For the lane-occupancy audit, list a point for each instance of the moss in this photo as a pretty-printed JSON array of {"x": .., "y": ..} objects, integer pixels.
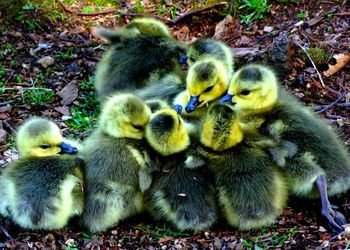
[{"x": 318, "y": 55}]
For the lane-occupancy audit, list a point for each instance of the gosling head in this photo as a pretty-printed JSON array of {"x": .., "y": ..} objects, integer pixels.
[
  {"x": 206, "y": 81},
  {"x": 149, "y": 26},
  {"x": 253, "y": 89},
  {"x": 220, "y": 129},
  {"x": 209, "y": 48},
  {"x": 156, "y": 104},
  {"x": 124, "y": 115},
  {"x": 40, "y": 137},
  {"x": 166, "y": 132}
]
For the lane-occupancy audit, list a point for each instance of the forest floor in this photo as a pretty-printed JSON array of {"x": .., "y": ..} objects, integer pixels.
[{"x": 47, "y": 62}]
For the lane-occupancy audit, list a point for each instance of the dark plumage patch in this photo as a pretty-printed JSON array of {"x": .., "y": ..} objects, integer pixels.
[
  {"x": 162, "y": 123},
  {"x": 39, "y": 128},
  {"x": 154, "y": 106},
  {"x": 205, "y": 71},
  {"x": 209, "y": 47},
  {"x": 250, "y": 74}
]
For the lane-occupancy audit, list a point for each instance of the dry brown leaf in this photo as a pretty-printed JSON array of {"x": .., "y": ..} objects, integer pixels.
[
  {"x": 165, "y": 239},
  {"x": 342, "y": 60},
  {"x": 69, "y": 93},
  {"x": 183, "y": 34}
]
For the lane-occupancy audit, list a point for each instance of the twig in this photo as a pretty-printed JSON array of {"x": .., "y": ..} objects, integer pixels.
[
  {"x": 10, "y": 127},
  {"x": 5, "y": 103},
  {"x": 166, "y": 20},
  {"x": 332, "y": 104},
  {"x": 334, "y": 117},
  {"x": 313, "y": 64},
  {"x": 338, "y": 105},
  {"x": 5, "y": 232},
  {"x": 342, "y": 14}
]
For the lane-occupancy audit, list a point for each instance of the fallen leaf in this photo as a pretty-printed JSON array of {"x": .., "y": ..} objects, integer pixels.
[
  {"x": 342, "y": 60},
  {"x": 183, "y": 34},
  {"x": 63, "y": 110},
  {"x": 165, "y": 239},
  {"x": 227, "y": 27},
  {"x": 69, "y": 93}
]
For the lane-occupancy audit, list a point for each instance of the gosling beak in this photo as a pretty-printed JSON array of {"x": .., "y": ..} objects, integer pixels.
[
  {"x": 183, "y": 61},
  {"x": 178, "y": 108},
  {"x": 192, "y": 104},
  {"x": 67, "y": 148},
  {"x": 226, "y": 99}
]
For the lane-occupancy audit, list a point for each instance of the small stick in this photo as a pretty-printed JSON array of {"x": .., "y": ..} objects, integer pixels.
[
  {"x": 10, "y": 127},
  {"x": 331, "y": 104},
  {"x": 5, "y": 103},
  {"x": 5, "y": 232},
  {"x": 338, "y": 105},
  {"x": 313, "y": 64}
]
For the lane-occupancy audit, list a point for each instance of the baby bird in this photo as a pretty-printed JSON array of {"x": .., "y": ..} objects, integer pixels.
[
  {"x": 141, "y": 54},
  {"x": 320, "y": 164},
  {"x": 211, "y": 68},
  {"x": 252, "y": 192},
  {"x": 42, "y": 189},
  {"x": 206, "y": 82},
  {"x": 185, "y": 197},
  {"x": 209, "y": 48},
  {"x": 118, "y": 168}
]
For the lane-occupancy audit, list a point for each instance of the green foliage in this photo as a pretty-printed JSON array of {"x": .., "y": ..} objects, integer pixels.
[
  {"x": 301, "y": 15},
  {"x": 268, "y": 240},
  {"x": 65, "y": 55},
  {"x": 139, "y": 7},
  {"x": 88, "y": 10},
  {"x": 160, "y": 232},
  {"x": 84, "y": 114},
  {"x": 318, "y": 55},
  {"x": 38, "y": 96},
  {"x": 257, "y": 9}
]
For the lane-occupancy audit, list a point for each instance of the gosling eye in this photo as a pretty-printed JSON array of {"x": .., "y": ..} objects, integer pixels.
[
  {"x": 137, "y": 127},
  {"x": 192, "y": 59},
  {"x": 45, "y": 146},
  {"x": 245, "y": 92},
  {"x": 208, "y": 89}
]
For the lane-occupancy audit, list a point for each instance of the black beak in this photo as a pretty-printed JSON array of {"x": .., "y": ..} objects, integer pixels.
[
  {"x": 67, "y": 148},
  {"x": 226, "y": 99},
  {"x": 192, "y": 104},
  {"x": 182, "y": 58},
  {"x": 178, "y": 108}
]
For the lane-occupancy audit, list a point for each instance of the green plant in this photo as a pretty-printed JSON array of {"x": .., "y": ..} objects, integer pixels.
[
  {"x": 160, "y": 232},
  {"x": 88, "y": 10},
  {"x": 65, "y": 55},
  {"x": 301, "y": 15},
  {"x": 81, "y": 119},
  {"x": 38, "y": 96},
  {"x": 329, "y": 15},
  {"x": 19, "y": 79},
  {"x": 87, "y": 85},
  {"x": 161, "y": 9},
  {"x": 256, "y": 8},
  {"x": 139, "y": 7}
]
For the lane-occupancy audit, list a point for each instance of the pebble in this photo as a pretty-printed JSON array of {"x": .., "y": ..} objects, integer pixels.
[{"x": 46, "y": 61}]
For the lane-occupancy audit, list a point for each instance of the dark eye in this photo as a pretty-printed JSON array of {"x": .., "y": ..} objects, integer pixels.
[
  {"x": 45, "y": 146},
  {"x": 245, "y": 92},
  {"x": 208, "y": 89},
  {"x": 138, "y": 127},
  {"x": 192, "y": 59}
]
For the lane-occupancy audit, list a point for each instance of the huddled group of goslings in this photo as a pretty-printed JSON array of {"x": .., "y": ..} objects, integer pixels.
[{"x": 187, "y": 146}]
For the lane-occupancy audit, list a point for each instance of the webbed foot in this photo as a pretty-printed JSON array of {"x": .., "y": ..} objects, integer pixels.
[{"x": 334, "y": 219}]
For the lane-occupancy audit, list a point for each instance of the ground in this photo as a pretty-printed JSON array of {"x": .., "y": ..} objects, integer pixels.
[{"x": 48, "y": 57}]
